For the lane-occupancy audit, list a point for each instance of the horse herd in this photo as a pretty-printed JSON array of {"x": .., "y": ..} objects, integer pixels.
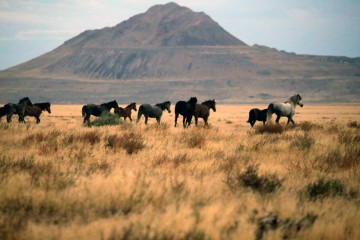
[
  {"x": 188, "y": 109},
  {"x": 24, "y": 108}
]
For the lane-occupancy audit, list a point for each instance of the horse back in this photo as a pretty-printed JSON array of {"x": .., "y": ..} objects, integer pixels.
[
  {"x": 201, "y": 110},
  {"x": 32, "y": 111},
  {"x": 180, "y": 107},
  {"x": 150, "y": 111}
]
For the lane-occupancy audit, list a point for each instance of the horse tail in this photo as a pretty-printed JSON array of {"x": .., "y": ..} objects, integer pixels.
[
  {"x": 140, "y": 113},
  {"x": 269, "y": 112},
  {"x": 249, "y": 116},
  {"x": 83, "y": 111}
]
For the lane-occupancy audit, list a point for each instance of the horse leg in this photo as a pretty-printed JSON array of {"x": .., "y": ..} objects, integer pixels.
[
  {"x": 206, "y": 123},
  {"x": 8, "y": 117},
  {"x": 176, "y": 118},
  {"x": 278, "y": 118},
  {"x": 252, "y": 123},
  {"x": 290, "y": 120},
  {"x": 87, "y": 119},
  {"x": 196, "y": 120},
  {"x": 37, "y": 119},
  {"x": 184, "y": 124},
  {"x": 158, "y": 120},
  {"x": 188, "y": 121},
  {"x": 146, "y": 120}
]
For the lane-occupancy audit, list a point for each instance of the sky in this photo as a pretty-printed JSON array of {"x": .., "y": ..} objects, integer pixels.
[{"x": 30, "y": 28}]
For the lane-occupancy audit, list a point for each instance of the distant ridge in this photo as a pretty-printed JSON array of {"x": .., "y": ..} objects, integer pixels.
[
  {"x": 172, "y": 52},
  {"x": 161, "y": 25}
]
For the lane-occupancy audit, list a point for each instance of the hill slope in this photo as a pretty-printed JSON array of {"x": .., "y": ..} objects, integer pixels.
[{"x": 172, "y": 51}]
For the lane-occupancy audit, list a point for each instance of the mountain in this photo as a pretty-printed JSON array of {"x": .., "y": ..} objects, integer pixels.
[{"x": 172, "y": 52}]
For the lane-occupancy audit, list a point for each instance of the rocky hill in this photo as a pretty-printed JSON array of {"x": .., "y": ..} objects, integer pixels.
[{"x": 171, "y": 52}]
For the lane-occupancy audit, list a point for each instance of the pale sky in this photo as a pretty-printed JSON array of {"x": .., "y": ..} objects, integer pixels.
[{"x": 30, "y": 28}]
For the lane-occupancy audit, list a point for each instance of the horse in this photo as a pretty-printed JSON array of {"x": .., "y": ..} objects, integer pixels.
[
  {"x": 125, "y": 112},
  {"x": 203, "y": 111},
  {"x": 45, "y": 106},
  {"x": 18, "y": 108},
  {"x": 4, "y": 110},
  {"x": 97, "y": 110},
  {"x": 36, "y": 110},
  {"x": 153, "y": 111},
  {"x": 286, "y": 109},
  {"x": 33, "y": 111},
  {"x": 186, "y": 109},
  {"x": 256, "y": 114}
]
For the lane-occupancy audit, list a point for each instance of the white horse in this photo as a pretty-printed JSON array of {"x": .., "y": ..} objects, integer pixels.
[{"x": 286, "y": 109}]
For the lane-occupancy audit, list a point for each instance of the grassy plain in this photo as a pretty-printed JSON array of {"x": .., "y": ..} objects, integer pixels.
[{"x": 60, "y": 180}]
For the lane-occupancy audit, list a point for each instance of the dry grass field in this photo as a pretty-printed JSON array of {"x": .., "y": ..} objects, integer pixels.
[{"x": 61, "y": 180}]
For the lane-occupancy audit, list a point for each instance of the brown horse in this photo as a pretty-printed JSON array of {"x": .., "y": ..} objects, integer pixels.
[
  {"x": 125, "y": 112},
  {"x": 33, "y": 111},
  {"x": 203, "y": 111}
]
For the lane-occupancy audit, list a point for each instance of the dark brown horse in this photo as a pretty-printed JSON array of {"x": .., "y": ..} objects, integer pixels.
[
  {"x": 125, "y": 112},
  {"x": 203, "y": 111},
  {"x": 18, "y": 108},
  {"x": 32, "y": 111},
  {"x": 97, "y": 110},
  {"x": 36, "y": 110}
]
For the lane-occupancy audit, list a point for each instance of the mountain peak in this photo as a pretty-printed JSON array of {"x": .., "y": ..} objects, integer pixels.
[{"x": 161, "y": 25}]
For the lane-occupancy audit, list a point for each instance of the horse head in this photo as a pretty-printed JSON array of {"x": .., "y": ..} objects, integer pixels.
[
  {"x": 112, "y": 104},
  {"x": 48, "y": 109},
  {"x": 167, "y": 106},
  {"x": 133, "y": 106},
  {"x": 213, "y": 105},
  {"x": 295, "y": 100},
  {"x": 299, "y": 100},
  {"x": 193, "y": 100}
]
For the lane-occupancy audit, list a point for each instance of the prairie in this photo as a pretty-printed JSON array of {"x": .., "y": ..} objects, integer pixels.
[{"x": 61, "y": 180}]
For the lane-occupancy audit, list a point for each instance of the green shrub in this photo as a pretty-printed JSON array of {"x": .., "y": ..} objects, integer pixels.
[
  {"x": 250, "y": 179},
  {"x": 106, "y": 119},
  {"x": 324, "y": 188}
]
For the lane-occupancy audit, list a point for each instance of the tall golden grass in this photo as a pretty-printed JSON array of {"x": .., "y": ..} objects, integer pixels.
[{"x": 61, "y": 180}]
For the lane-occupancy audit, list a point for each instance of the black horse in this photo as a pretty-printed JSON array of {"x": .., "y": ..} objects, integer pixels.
[
  {"x": 17, "y": 108},
  {"x": 45, "y": 106},
  {"x": 153, "y": 111},
  {"x": 256, "y": 114},
  {"x": 203, "y": 111},
  {"x": 97, "y": 110},
  {"x": 186, "y": 109},
  {"x": 4, "y": 111}
]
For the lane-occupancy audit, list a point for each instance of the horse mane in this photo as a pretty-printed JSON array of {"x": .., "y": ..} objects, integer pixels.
[
  {"x": 129, "y": 106},
  {"x": 24, "y": 99},
  {"x": 294, "y": 99},
  {"x": 163, "y": 105},
  {"x": 110, "y": 104},
  {"x": 43, "y": 104}
]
